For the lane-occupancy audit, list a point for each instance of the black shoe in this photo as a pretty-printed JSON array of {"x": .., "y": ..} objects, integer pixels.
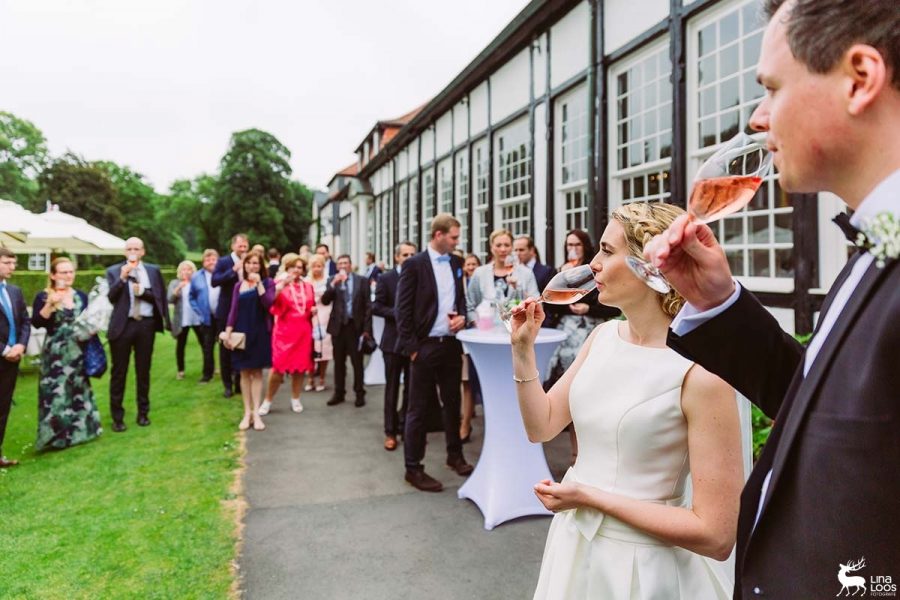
[
  {"x": 459, "y": 464},
  {"x": 228, "y": 393},
  {"x": 118, "y": 426},
  {"x": 422, "y": 481},
  {"x": 205, "y": 380},
  {"x": 143, "y": 421},
  {"x": 335, "y": 400},
  {"x": 360, "y": 401}
]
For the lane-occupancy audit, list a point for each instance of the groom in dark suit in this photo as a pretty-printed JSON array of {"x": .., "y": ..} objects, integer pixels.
[
  {"x": 825, "y": 494},
  {"x": 351, "y": 318},
  {"x": 138, "y": 295},
  {"x": 15, "y": 329},
  {"x": 431, "y": 309},
  {"x": 227, "y": 274},
  {"x": 395, "y": 364}
]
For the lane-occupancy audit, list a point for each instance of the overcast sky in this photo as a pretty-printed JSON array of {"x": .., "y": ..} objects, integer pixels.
[{"x": 160, "y": 85}]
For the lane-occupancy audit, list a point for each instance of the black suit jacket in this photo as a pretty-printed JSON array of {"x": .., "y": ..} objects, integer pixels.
[
  {"x": 361, "y": 302},
  {"x": 20, "y": 316},
  {"x": 543, "y": 274},
  {"x": 385, "y": 299},
  {"x": 121, "y": 301},
  {"x": 834, "y": 452},
  {"x": 417, "y": 300},
  {"x": 224, "y": 277}
]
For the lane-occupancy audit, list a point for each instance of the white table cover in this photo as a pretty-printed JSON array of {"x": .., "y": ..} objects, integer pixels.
[
  {"x": 374, "y": 373},
  {"x": 502, "y": 484}
]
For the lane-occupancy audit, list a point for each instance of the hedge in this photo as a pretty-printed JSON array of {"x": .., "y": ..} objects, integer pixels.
[{"x": 33, "y": 282}]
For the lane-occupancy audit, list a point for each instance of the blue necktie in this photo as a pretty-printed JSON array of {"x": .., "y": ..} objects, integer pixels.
[
  {"x": 445, "y": 258},
  {"x": 9, "y": 315}
]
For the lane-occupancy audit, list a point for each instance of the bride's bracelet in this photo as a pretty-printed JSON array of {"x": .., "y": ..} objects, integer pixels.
[{"x": 517, "y": 380}]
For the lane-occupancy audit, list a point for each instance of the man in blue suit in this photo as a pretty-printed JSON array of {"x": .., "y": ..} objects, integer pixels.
[
  {"x": 525, "y": 251},
  {"x": 228, "y": 272},
  {"x": 204, "y": 299},
  {"x": 15, "y": 328}
]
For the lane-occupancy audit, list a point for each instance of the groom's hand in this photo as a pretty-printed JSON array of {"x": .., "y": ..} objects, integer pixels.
[{"x": 692, "y": 261}]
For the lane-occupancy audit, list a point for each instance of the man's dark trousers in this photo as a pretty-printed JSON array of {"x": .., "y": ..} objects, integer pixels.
[
  {"x": 346, "y": 343},
  {"x": 394, "y": 366},
  {"x": 8, "y": 373},
  {"x": 437, "y": 364},
  {"x": 230, "y": 379},
  {"x": 208, "y": 344},
  {"x": 138, "y": 336}
]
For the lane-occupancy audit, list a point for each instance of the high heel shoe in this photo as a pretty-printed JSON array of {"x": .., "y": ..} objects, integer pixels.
[
  {"x": 465, "y": 439},
  {"x": 258, "y": 425},
  {"x": 244, "y": 425}
]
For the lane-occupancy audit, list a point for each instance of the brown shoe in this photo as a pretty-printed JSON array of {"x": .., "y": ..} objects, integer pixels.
[
  {"x": 420, "y": 480},
  {"x": 460, "y": 465},
  {"x": 390, "y": 443}
]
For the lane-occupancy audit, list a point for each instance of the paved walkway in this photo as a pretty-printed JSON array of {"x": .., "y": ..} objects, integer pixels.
[{"x": 331, "y": 517}]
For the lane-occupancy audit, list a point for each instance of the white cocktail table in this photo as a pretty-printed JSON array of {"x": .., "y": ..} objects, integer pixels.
[{"x": 502, "y": 484}]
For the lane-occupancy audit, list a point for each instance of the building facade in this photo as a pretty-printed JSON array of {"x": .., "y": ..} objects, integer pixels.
[{"x": 574, "y": 109}]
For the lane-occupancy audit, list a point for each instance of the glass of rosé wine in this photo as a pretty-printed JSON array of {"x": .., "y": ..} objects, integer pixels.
[
  {"x": 566, "y": 287},
  {"x": 724, "y": 185}
]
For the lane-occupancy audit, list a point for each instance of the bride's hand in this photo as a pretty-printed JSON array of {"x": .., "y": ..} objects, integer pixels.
[
  {"x": 526, "y": 322},
  {"x": 559, "y": 496}
]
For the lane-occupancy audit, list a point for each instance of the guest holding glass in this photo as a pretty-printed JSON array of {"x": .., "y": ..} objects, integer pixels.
[
  {"x": 322, "y": 339},
  {"x": 292, "y": 339},
  {"x": 67, "y": 410},
  {"x": 501, "y": 279},
  {"x": 250, "y": 304},
  {"x": 652, "y": 501},
  {"x": 204, "y": 300},
  {"x": 185, "y": 318}
]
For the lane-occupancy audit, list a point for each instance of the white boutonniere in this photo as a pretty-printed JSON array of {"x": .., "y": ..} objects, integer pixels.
[{"x": 880, "y": 237}]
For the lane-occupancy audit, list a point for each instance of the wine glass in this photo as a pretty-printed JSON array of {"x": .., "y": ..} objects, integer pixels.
[
  {"x": 725, "y": 184},
  {"x": 566, "y": 287}
]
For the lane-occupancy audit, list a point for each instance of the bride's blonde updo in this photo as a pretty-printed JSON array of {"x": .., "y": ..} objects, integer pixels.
[{"x": 641, "y": 221}]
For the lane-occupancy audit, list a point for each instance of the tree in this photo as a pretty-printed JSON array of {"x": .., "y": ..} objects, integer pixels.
[
  {"x": 81, "y": 189},
  {"x": 299, "y": 218},
  {"x": 139, "y": 205},
  {"x": 254, "y": 192},
  {"x": 23, "y": 155},
  {"x": 189, "y": 210}
]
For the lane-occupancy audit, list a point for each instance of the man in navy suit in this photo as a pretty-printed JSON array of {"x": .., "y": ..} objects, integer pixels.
[
  {"x": 395, "y": 364},
  {"x": 525, "y": 251},
  {"x": 204, "y": 299},
  {"x": 323, "y": 251},
  {"x": 228, "y": 272},
  {"x": 138, "y": 295},
  {"x": 431, "y": 309},
  {"x": 825, "y": 493},
  {"x": 15, "y": 329}
]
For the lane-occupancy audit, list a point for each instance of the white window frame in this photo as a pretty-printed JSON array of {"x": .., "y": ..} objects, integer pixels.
[
  {"x": 697, "y": 155},
  {"x": 461, "y": 209},
  {"x": 403, "y": 197},
  {"x": 415, "y": 229},
  {"x": 428, "y": 198},
  {"x": 38, "y": 262},
  {"x": 512, "y": 181},
  {"x": 444, "y": 188},
  {"x": 563, "y": 215},
  {"x": 481, "y": 164}
]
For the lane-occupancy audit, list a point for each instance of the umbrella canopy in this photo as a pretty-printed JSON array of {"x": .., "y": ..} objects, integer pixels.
[{"x": 25, "y": 232}]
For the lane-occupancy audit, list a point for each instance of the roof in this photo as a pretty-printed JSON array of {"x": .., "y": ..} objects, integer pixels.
[
  {"x": 351, "y": 170},
  {"x": 391, "y": 127}
]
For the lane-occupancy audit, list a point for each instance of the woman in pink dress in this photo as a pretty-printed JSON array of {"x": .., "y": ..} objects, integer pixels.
[{"x": 292, "y": 341}]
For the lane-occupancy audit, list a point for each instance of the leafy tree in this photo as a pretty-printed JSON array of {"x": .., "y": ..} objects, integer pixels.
[
  {"x": 139, "y": 205},
  {"x": 189, "y": 210},
  {"x": 254, "y": 191},
  {"x": 23, "y": 155},
  {"x": 298, "y": 219},
  {"x": 82, "y": 189}
]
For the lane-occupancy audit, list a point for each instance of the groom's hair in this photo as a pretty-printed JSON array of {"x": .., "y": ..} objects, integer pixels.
[{"x": 820, "y": 31}]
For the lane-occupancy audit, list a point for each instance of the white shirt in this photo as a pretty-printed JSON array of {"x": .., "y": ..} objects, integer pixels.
[
  {"x": 884, "y": 198},
  {"x": 212, "y": 291},
  {"x": 530, "y": 264},
  {"x": 143, "y": 280},
  {"x": 446, "y": 291}
]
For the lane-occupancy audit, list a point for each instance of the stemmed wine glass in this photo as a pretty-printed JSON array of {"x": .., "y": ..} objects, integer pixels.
[
  {"x": 724, "y": 185},
  {"x": 566, "y": 287}
]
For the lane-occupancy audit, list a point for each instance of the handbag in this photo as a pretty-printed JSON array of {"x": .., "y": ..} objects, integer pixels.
[
  {"x": 94, "y": 357},
  {"x": 237, "y": 339}
]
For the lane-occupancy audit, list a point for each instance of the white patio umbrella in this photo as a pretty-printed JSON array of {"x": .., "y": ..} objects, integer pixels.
[
  {"x": 15, "y": 225},
  {"x": 53, "y": 231}
]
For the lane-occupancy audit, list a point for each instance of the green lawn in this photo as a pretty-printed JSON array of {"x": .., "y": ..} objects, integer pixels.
[{"x": 148, "y": 513}]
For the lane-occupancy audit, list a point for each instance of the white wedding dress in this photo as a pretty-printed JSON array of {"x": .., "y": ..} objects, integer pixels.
[{"x": 632, "y": 440}]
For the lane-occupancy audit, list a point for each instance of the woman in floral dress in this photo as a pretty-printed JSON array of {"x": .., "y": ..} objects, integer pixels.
[{"x": 67, "y": 410}]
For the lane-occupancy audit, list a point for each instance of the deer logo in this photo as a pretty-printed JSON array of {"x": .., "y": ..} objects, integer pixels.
[{"x": 852, "y": 581}]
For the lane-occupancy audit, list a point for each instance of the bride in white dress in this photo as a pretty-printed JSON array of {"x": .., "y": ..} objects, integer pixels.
[{"x": 649, "y": 509}]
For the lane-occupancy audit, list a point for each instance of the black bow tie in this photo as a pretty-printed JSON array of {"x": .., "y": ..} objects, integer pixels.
[{"x": 852, "y": 233}]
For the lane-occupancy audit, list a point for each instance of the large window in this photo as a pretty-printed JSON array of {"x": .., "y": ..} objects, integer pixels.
[
  {"x": 462, "y": 198},
  {"x": 414, "y": 212},
  {"x": 723, "y": 92},
  {"x": 427, "y": 201},
  {"x": 572, "y": 151},
  {"x": 403, "y": 201},
  {"x": 641, "y": 125},
  {"x": 513, "y": 165},
  {"x": 445, "y": 181},
  {"x": 482, "y": 164},
  {"x": 372, "y": 209}
]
